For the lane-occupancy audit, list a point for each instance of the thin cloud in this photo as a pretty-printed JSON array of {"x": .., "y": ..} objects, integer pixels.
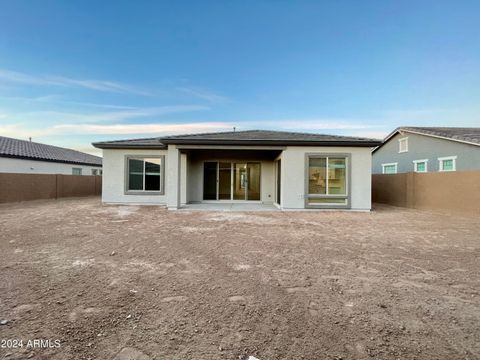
[
  {"x": 19, "y": 131},
  {"x": 58, "y": 99},
  {"x": 49, "y": 80},
  {"x": 107, "y": 116},
  {"x": 201, "y": 93},
  {"x": 157, "y": 129}
]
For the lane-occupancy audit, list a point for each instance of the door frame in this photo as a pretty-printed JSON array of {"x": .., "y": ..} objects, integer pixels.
[{"x": 232, "y": 170}]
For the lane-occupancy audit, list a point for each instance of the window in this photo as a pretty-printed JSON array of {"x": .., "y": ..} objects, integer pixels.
[
  {"x": 403, "y": 145},
  {"x": 327, "y": 183},
  {"x": 389, "y": 168},
  {"x": 76, "y": 171},
  {"x": 447, "y": 163},
  {"x": 420, "y": 165},
  {"x": 144, "y": 174},
  {"x": 94, "y": 171}
]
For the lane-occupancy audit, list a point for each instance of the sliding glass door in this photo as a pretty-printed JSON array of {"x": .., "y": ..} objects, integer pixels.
[
  {"x": 224, "y": 181},
  {"x": 253, "y": 181},
  {"x": 231, "y": 181},
  {"x": 210, "y": 181}
]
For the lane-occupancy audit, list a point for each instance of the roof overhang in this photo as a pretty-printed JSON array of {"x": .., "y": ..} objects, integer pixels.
[
  {"x": 269, "y": 142},
  {"x": 129, "y": 146}
]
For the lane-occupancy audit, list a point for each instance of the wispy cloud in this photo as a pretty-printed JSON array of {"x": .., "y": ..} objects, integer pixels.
[
  {"x": 19, "y": 131},
  {"x": 202, "y": 93},
  {"x": 159, "y": 129},
  {"x": 312, "y": 124},
  {"x": 58, "y": 99},
  {"x": 106, "y": 116},
  {"x": 52, "y": 80}
]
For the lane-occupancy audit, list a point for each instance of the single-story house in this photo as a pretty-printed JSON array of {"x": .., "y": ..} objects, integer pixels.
[
  {"x": 28, "y": 157},
  {"x": 291, "y": 170},
  {"x": 428, "y": 149}
]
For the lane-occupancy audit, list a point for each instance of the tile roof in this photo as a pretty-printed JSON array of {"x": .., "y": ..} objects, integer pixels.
[
  {"x": 471, "y": 135},
  {"x": 460, "y": 134},
  {"x": 248, "y": 137},
  {"x": 23, "y": 149}
]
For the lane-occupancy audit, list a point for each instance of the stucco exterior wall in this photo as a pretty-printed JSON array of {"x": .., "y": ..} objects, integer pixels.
[
  {"x": 23, "y": 166},
  {"x": 425, "y": 147},
  {"x": 113, "y": 187},
  {"x": 294, "y": 172}
]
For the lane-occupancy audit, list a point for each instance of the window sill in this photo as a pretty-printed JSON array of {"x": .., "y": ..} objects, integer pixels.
[{"x": 141, "y": 192}]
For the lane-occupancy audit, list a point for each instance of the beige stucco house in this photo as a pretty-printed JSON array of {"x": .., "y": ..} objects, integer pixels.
[{"x": 289, "y": 170}]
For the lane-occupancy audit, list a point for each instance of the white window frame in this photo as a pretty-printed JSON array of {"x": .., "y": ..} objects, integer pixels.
[
  {"x": 440, "y": 163},
  {"x": 79, "y": 170},
  {"x": 390, "y": 164},
  {"x": 400, "y": 141},
  {"x": 416, "y": 162}
]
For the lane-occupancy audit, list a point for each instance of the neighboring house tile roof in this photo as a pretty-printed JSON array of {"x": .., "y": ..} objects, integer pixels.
[
  {"x": 459, "y": 134},
  {"x": 146, "y": 143},
  {"x": 22, "y": 149},
  {"x": 248, "y": 137}
]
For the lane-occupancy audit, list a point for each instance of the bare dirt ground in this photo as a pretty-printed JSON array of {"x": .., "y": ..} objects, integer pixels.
[{"x": 391, "y": 284}]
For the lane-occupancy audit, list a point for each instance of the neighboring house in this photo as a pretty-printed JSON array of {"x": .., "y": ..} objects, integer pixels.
[
  {"x": 291, "y": 170},
  {"x": 21, "y": 156},
  {"x": 428, "y": 149}
]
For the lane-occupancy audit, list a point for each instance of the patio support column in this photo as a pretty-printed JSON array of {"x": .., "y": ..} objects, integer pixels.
[{"x": 173, "y": 178}]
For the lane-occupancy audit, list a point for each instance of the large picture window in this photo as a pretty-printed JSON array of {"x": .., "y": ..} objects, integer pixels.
[
  {"x": 327, "y": 180},
  {"x": 145, "y": 174}
]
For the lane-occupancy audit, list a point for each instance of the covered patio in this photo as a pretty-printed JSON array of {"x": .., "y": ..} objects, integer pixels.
[{"x": 229, "y": 178}]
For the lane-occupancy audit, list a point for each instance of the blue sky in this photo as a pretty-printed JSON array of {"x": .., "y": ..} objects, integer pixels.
[{"x": 76, "y": 72}]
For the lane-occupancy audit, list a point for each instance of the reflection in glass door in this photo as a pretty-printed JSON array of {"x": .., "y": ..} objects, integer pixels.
[
  {"x": 253, "y": 181},
  {"x": 224, "y": 181},
  {"x": 239, "y": 181}
]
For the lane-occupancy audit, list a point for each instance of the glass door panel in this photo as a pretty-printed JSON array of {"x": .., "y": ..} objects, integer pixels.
[
  {"x": 224, "y": 181},
  {"x": 210, "y": 181},
  {"x": 253, "y": 181},
  {"x": 239, "y": 181}
]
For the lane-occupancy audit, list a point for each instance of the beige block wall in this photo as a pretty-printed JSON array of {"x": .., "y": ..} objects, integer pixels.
[{"x": 453, "y": 191}]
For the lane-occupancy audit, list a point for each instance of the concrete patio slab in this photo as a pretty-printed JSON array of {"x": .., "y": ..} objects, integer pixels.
[{"x": 230, "y": 207}]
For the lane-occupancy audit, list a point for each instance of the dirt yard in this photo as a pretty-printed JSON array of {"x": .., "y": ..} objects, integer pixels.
[{"x": 126, "y": 282}]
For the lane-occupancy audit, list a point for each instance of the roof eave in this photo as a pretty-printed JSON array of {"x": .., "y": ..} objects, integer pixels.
[
  {"x": 271, "y": 142},
  {"x": 128, "y": 146}
]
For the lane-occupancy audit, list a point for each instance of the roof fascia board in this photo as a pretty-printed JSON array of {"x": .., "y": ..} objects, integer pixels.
[
  {"x": 230, "y": 147},
  {"x": 49, "y": 160},
  {"x": 128, "y": 146},
  {"x": 270, "y": 142}
]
